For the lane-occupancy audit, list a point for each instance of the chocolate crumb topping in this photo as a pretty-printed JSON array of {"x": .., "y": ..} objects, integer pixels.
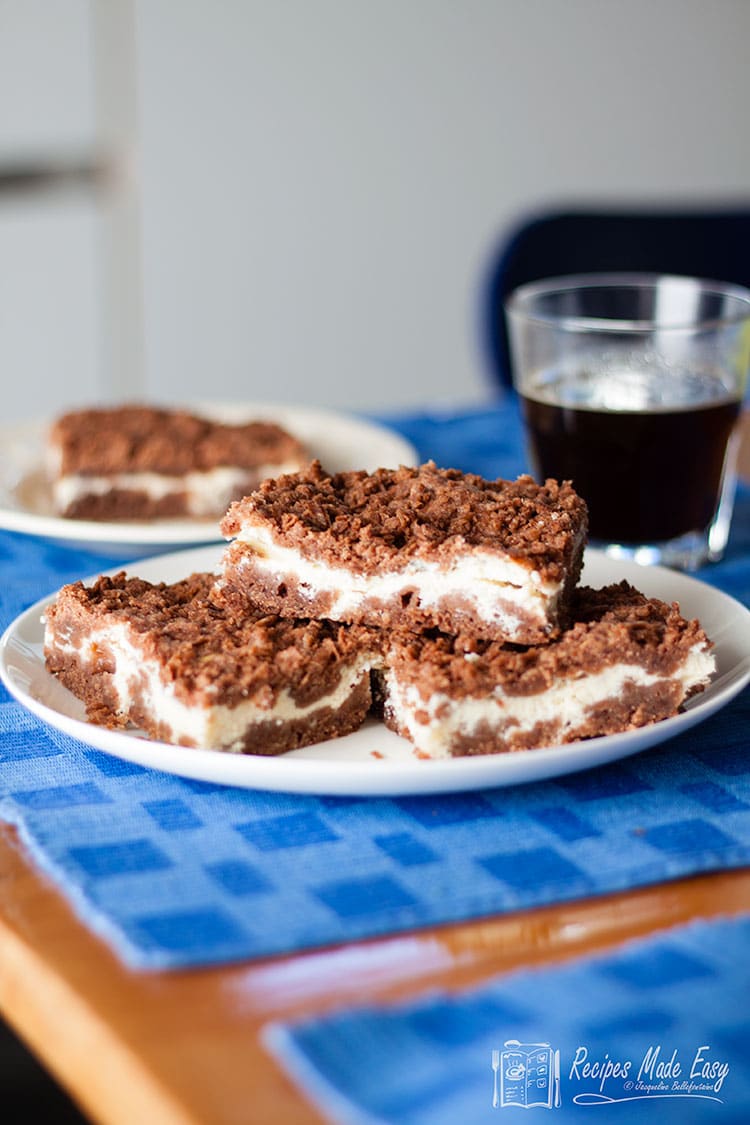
[
  {"x": 615, "y": 625},
  {"x": 371, "y": 522},
  {"x": 150, "y": 439},
  {"x": 203, "y": 650}
]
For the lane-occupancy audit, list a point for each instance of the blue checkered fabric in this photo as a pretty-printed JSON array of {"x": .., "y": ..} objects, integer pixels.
[
  {"x": 674, "y": 1001},
  {"x": 179, "y": 873}
]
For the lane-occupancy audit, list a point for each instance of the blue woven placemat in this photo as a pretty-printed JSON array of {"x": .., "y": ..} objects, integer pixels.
[
  {"x": 656, "y": 1032},
  {"x": 179, "y": 873}
]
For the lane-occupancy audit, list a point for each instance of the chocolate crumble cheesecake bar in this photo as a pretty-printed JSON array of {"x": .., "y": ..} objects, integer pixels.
[
  {"x": 625, "y": 661},
  {"x": 143, "y": 462},
  {"x": 413, "y": 548},
  {"x": 165, "y": 659}
]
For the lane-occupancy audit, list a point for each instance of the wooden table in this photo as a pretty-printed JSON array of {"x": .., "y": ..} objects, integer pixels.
[{"x": 184, "y": 1048}]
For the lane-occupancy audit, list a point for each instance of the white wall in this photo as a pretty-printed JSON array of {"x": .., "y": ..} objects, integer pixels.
[
  {"x": 49, "y": 268},
  {"x": 323, "y": 181}
]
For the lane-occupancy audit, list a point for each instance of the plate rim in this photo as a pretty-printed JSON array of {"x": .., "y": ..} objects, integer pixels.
[
  {"x": 176, "y": 532},
  {"x": 385, "y": 777}
]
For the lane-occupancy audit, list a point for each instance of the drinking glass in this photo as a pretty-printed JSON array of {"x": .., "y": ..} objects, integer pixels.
[{"x": 631, "y": 386}]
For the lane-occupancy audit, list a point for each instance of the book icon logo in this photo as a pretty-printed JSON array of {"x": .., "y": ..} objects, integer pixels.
[{"x": 529, "y": 1075}]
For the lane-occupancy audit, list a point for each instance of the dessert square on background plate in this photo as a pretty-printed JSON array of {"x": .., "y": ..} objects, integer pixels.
[
  {"x": 374, "y": 761},
  {"x": 338, "y": 440},
  {"x": 142, "y": 462}
]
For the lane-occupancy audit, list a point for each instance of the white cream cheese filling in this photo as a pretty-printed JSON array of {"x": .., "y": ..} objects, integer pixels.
[
  {"x": 213, "y": 726},
  {"x": 497, "y": 588},
  {"x": 565, "y": 703},
  {"x": 207, "y": 492}
]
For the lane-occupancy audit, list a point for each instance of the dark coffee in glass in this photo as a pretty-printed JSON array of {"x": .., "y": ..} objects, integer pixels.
[{"x": 640, "y": 414}]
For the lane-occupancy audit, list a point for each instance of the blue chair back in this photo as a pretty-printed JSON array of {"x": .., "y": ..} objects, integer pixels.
[{"x": 712, "y": 244}]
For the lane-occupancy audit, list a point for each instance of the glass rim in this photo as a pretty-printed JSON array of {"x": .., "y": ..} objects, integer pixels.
[{"x": 518, "y": 303}]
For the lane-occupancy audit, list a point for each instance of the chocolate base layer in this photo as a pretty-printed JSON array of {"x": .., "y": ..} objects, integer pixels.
[
  {"x": 126, "y": 504},
  {"x": 132, "y": 504}
]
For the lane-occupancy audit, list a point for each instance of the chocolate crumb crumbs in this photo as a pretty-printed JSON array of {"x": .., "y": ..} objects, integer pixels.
[
  {"x": 141, "y": 438},
  {"x": 375, "y": 522},
  {"x": 614, "y": 625},
  {"x": 202, "y": 650}
]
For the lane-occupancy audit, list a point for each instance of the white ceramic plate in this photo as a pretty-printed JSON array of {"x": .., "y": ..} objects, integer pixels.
[
  {"x": 374, "y": 761},
  {"x": 338, "y": 441}
]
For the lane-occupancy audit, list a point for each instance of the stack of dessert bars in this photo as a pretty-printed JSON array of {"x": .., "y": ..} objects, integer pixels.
[{"x": 448, "y": 604}]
